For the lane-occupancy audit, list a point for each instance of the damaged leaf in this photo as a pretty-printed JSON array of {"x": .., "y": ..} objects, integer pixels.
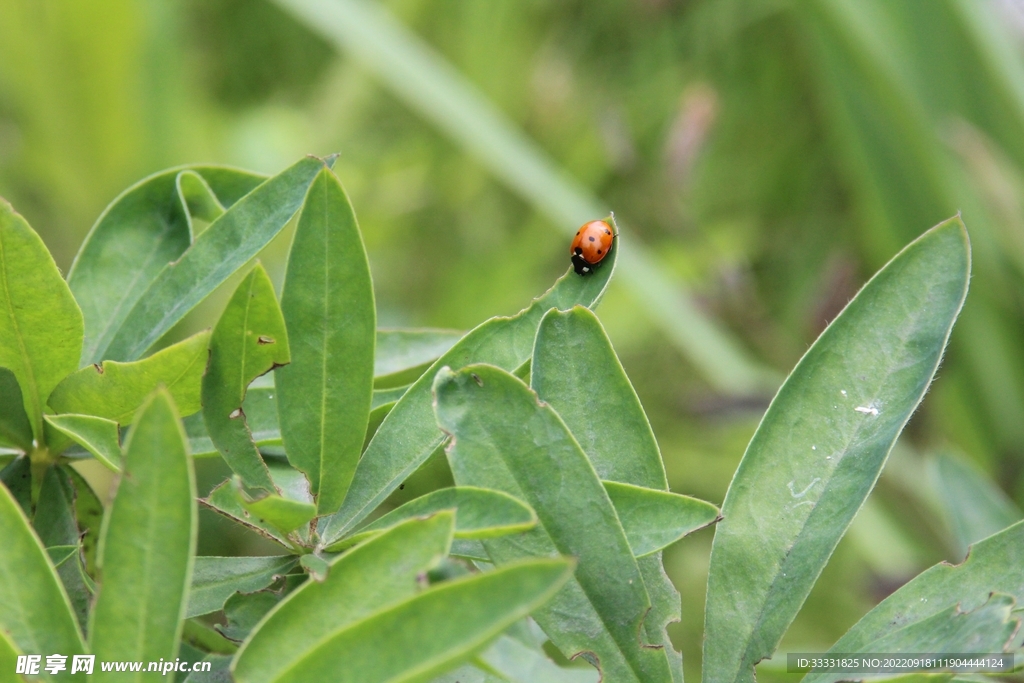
[
  {"x": 114, "y": 390},
  {"x": 248, "y": 341}
]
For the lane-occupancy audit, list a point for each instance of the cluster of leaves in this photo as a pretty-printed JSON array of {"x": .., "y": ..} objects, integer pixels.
[
  {"x": 561, "y": 507},
  {"x": 320, "y": 416}
]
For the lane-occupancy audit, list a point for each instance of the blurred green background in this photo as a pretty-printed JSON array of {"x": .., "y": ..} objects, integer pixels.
[{"x": 768, "y": 155}]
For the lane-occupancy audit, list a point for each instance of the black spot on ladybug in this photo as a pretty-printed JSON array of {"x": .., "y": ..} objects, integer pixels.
[
  {"x": 607, "y": 232},
  {"x": 591, "y": 239},
  {"x": 598, "y": 251}
]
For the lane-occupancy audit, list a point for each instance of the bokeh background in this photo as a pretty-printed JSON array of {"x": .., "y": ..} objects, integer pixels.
[{"x": 764, "y": 156}]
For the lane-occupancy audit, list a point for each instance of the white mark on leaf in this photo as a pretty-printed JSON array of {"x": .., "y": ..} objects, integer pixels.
[
  {"x": 867, "y": 410},
  {"x": 803, "y": 493}
]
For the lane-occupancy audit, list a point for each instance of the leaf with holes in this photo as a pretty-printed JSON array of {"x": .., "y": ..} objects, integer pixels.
[{"x": 248, "y": 341}]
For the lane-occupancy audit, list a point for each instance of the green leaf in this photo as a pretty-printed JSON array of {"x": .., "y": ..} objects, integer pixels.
[
  {"x": 9, "y": 659},
  {"x": 576, "y": 371},
  {"x": 479, "y": 513},
  {"x": 244, "y": 611},
  {"x": 409, "y": 434},
  {"x": 40, "y": 323},
  {"x": 988, "y": 629},
  {"x": 115, "y": 390},
  {"x": 215, "y": 579},
  {"x": 54, "y": 519},
  {"x": 284, "y": 514},
  {"x": 143, "y": 229},
  {"x": 15, "y": 429},
  {"x": 200, "y": 636},
  {"x": 260, "y": 408},
  {"x": 148, "y": 544},
  {"x": 35, "y": 612},
  {"x": 219, "y": 251},
  {"x": 199, "y": 199},
  {"x": 992, "y": 566},
  {"x": 98, "y": 435},
  {"x": 654, "y": 519},
  {"x": 431, "y": 632},
  {"x": 822, "y": 444},
  {"x": 17, "y": 477},
  {"x": 89, "y": 513},
  {"x": 467, "y": 673},
  {"x": 517, "y": 662},
  {"x": 248, "y": 341},
  {"x": 324, "y": 395},
  {"x": 67, "y": 560},
  {"x": 226, "y": 499},
  {"x": 505, "y": 439},
  {"x": 403, "y": 354},
  {"x": 975, "y": 507},
  {"x": 379, "y": 573}
]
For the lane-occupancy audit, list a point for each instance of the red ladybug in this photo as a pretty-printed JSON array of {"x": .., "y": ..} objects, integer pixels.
[{"x": 592, "y": 243}]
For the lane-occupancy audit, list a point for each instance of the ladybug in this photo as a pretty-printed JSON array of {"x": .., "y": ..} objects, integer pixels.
[{"x": 592, "y": 243}]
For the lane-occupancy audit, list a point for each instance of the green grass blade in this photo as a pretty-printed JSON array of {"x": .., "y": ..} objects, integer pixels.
[
  {"x": 430, "y": 86},
  {"x": 40, "y": 323},
  {"x": 822, "y": 444},
  {"x": 148, "y": 545},
  {"x": 115, "y": 390},
  {"x": 324, "y": 395},
  {"x": 248, "y": 341},
  {"x": 138, "y": 234},
  {"x": 219, "y": 251},
  {"x": 373, "y": 576},
  {"x": 215, "y": 579},
  {"x": 35, "y": 612},
  {"x": 409, "y": 434},
  {"x": 505, "y": 439}
]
